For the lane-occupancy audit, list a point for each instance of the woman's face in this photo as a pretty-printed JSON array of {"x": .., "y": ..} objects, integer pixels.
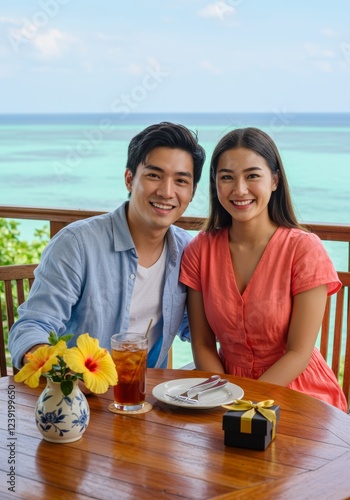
[{"x": 244, "y": 184}]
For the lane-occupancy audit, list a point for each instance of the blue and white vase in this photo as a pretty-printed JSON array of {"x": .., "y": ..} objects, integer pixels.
[{"x": 59, "y": 418}]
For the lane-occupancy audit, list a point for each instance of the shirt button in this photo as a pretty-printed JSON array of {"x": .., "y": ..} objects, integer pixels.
[
  {"x": 250, "y": 359},
  {"x": 132, "y": 276},
  {"x": 127, "y": 308}
]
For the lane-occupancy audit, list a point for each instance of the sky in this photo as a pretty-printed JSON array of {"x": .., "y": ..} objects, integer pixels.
[{"x": 83, "y": 56}]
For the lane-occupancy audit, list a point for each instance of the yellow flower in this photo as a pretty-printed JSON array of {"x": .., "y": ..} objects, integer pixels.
[
  {"x": 93, "y": 362},
  {"x": 40, "y": 361}
]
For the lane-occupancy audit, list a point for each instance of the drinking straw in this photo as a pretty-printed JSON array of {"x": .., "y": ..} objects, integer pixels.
[
  {"x": 148, "y": 328},
  {"x": 138, "y": 366}
]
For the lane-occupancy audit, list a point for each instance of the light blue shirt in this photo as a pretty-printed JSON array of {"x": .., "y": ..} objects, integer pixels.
[{"x": 84, "y": 283}]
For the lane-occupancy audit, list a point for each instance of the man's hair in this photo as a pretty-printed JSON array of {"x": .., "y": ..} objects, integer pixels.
[{"x": 169, "y": 135}]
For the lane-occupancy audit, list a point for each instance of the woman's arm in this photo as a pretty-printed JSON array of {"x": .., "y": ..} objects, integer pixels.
[
  {"x": 203, "y": 340},
  {"x": 306, "y": 318}
]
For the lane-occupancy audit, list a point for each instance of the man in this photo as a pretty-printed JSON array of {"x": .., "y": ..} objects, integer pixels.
[{"x": 115, "y": 272}]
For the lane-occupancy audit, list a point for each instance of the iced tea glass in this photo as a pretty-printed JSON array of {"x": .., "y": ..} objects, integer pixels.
[{"x": 129, "y": 353}]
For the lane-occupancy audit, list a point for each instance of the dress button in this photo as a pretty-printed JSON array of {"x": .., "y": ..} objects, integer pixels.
[{"x": 132, "y": 276}]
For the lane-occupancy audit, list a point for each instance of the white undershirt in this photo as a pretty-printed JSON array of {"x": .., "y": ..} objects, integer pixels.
[{"x": 146, "y": 300}]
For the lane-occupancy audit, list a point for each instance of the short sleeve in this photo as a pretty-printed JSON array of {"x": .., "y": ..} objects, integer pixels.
[
  {"x": 312, "y": 266},
  {"x": 190, "y": 265}
]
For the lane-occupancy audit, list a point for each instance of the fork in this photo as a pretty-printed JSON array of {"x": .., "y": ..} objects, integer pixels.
[
  {"x": 206, "y": 384},
  {"x": 195, "y": 399}
]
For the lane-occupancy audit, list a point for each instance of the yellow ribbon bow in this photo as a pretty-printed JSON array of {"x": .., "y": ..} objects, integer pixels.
[{"x": 252, "y": 408}]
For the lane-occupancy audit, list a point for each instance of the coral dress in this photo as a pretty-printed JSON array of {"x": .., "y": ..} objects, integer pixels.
[{"x": 252, "y": 328}]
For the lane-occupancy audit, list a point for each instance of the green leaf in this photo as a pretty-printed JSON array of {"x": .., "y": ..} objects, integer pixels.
[
  {"x": 66, "y": 387},
  {"x": 66, "y": 337},
  {"x": 52, "y": 338}
]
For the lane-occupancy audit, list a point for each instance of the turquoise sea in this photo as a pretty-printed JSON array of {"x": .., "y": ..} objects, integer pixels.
[{"x": 78, "y": 161}]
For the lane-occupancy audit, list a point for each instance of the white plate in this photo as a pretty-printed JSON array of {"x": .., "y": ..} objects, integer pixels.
[{"x": 221, "y": 396}]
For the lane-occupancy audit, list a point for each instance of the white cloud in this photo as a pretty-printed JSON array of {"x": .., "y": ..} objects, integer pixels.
[
  {"x": 10, "y": 20},
  {"x": 114, "y": 52},
  {"x": 329, "y": 54},
  {"x": 51, "y": 70},
  {"x": 328, "y": 32},
  {"x": 320, "y": 58},
  {"x": 106, "y": 38},
  {"x": 345, "y": 49},
  {"x": 149, "y": 65},
  {"x": 312, "y": 49},
  {"x": 48, "y": 44},
  {"x": 208, "y": 66},
  {"x": 134, "y": 69},
  {"x": 323, "y": 66},
  {"x": 7, "y": 71},
  {"x": 217, "y": 10},
  {"x": 315, "y": 50},
  {"x": 87, "y": 67},
  {"x": 53, "y": 43}
]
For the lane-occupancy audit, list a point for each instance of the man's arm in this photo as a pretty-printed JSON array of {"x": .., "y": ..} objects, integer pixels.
[{"x": 55, "y": 290}]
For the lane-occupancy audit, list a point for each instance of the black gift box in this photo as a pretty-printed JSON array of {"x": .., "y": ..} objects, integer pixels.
[{"x": 261, "y": 435}]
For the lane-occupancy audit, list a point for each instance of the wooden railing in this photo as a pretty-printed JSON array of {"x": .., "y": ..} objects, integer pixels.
[{"x": 58, "y": 218}]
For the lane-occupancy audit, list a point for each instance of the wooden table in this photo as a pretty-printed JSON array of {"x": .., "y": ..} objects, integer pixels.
[{"x": 173, "y": 453}]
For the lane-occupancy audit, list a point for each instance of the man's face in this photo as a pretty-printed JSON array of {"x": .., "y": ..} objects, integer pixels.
[{"x": 161, "y": 188}]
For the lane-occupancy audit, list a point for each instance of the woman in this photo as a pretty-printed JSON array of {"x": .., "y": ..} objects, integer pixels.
[{"x": 258, "y": 282}]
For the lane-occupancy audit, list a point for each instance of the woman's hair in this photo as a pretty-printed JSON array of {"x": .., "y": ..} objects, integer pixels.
[{"x": 280, "y": 206}]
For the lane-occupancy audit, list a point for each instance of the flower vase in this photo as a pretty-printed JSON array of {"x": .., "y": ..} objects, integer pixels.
[{"x": 59, "y": 418}]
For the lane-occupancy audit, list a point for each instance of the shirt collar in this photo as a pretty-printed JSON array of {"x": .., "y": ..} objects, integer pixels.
[
  {"x": 122, "y": 237},
  {"x": 121, "y": 233}
]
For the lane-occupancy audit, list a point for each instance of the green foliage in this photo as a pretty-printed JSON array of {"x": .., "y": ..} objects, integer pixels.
[
  {"x": 54, "y": 339},
  {"x": 14, "y": 250},
  {"x": 341, "y": 371}
]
